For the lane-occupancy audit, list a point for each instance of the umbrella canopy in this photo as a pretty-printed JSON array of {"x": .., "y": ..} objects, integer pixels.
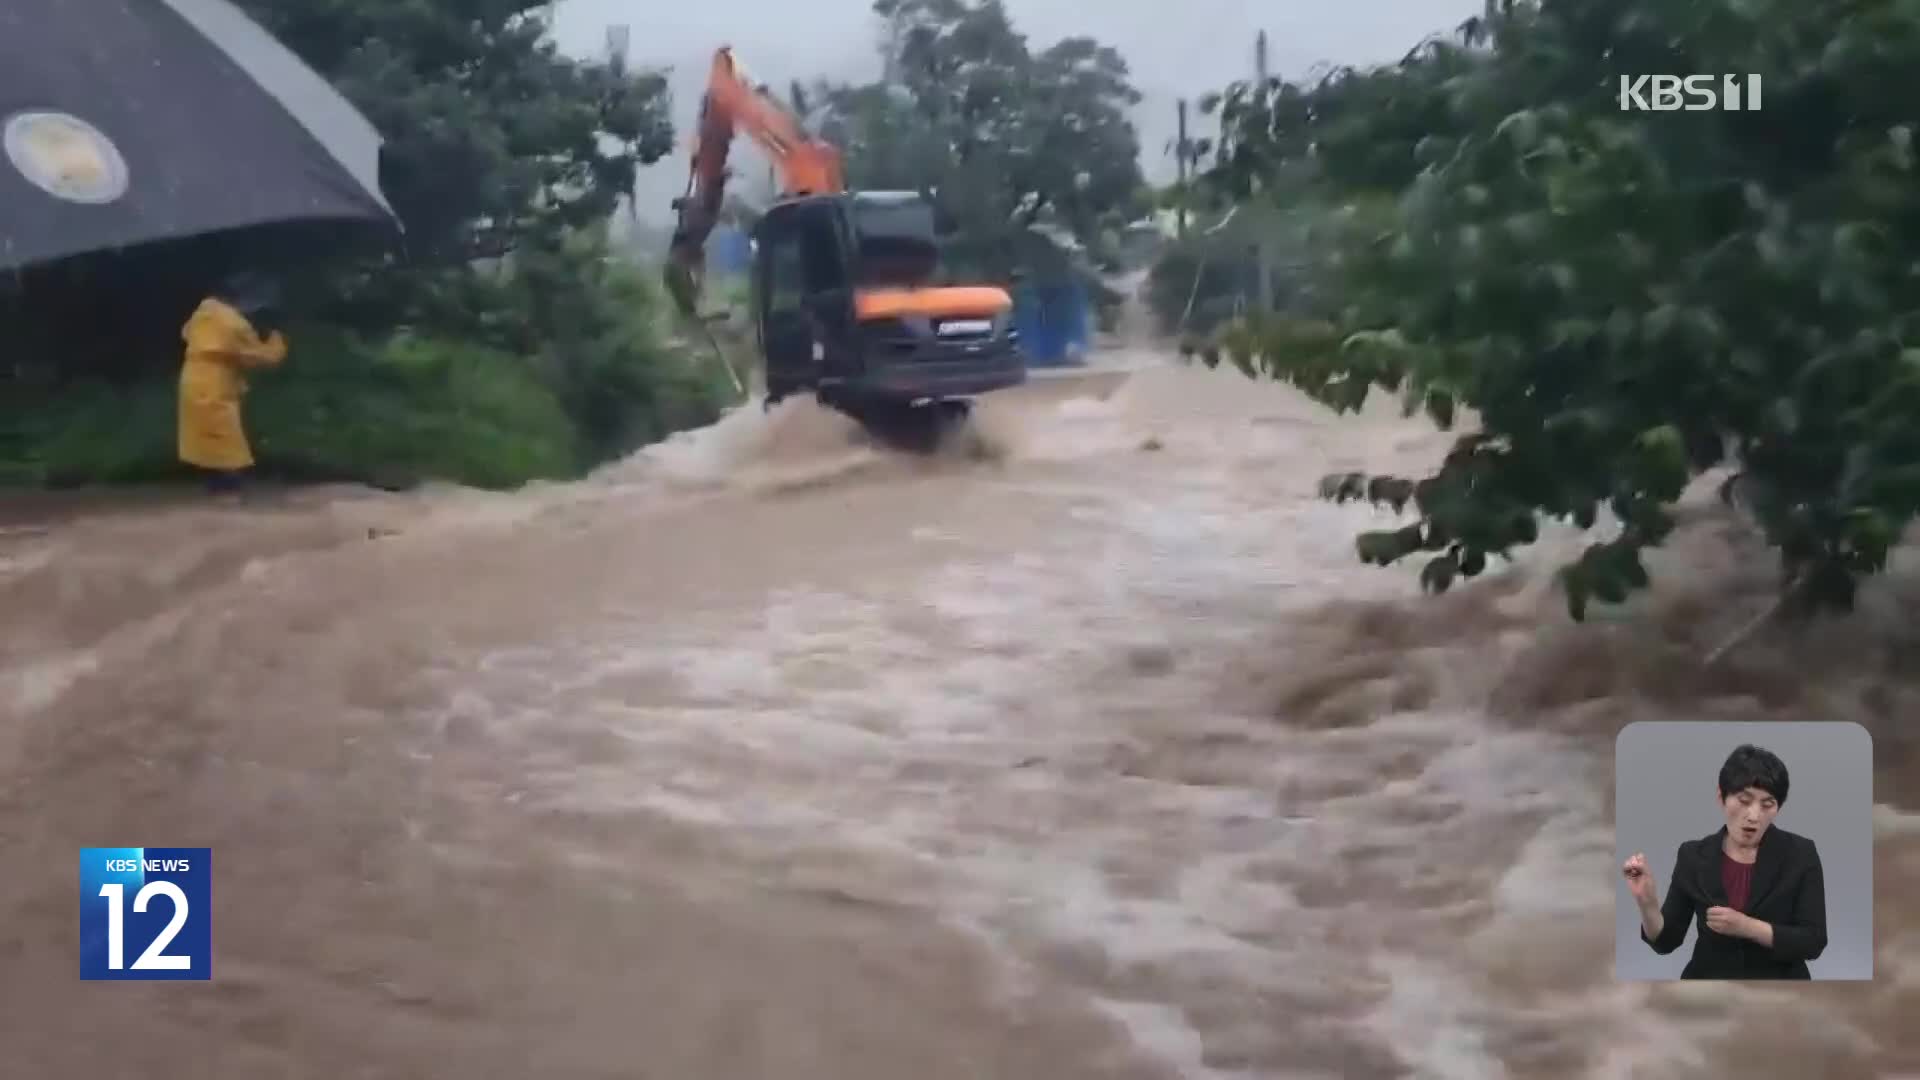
[{"x": 129, "y": 122}]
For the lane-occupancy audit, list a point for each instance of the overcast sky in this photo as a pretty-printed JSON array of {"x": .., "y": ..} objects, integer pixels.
[{"x": 1175, "y": 48}]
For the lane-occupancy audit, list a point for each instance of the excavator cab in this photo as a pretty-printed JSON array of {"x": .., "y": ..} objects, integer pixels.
[
  {"x": 803, "y": 293},
  {"x": 847, "y": 306}
]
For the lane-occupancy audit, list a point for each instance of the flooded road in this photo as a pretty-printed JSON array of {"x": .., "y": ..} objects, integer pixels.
[{"x": 1089, "y": 751}]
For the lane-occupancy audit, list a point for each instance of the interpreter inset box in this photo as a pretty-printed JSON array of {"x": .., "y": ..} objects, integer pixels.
[{"x": 1743, "y": 851}]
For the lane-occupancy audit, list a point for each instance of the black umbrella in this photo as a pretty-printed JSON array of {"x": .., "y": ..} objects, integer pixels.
[{"x": 129, "y": 122}]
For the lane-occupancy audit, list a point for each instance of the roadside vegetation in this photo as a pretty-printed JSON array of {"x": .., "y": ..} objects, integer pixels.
[
  {"x": 1610, "y": 302},
  {"x": 507, "y": 343}
]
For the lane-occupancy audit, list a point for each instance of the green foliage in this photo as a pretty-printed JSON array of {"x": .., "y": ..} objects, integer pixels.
[
  {"x": 1622, "y": 299},
  {"x": 496, "y": 143},
  {"x": 506, "y": 345},
  {"x": 495, "y": 406},
  {"x": 493, "y": 137},
  {"x": 584, "y": 326},
  {"x": 1002, "y": 136},
  {"x": 1205, "y": 281},
  {"x": 345, "y": 411},
  {"x": 89, "y": 431},
  {"x": 623, "y": 385},
  {"x": 502, "y": 149},
  {"x": 410, "y": 408}
]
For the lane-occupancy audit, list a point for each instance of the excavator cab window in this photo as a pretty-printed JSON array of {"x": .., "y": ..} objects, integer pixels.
[
  {"x": 897, "y": 242},
  {"x": 802, "y": 257},
  {"x": 805, "y": 287},
  {"x": 786, "y": 276}
]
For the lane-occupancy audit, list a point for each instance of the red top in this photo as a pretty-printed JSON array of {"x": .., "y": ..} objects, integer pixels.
[{"x": 1737, "y": 877}]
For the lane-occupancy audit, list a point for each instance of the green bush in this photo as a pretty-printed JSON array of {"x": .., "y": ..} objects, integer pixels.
[
  {"x": 337, "y": 410},
  {"x": 87, "y": 432},
  {"x": 409, "y": 409},
  {"x": 1624, "y": 299},
  {"x": 498, "y": 410},
  {"x": 611, "y": 368}
]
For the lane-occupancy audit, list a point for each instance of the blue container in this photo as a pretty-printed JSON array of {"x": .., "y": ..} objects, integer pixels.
[
  {"x": 729, "y": 251},
  {"x": 1053, "y": 321}
]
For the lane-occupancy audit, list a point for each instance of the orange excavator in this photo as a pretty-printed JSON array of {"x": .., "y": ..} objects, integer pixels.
[{"x": 845, "y": 298}]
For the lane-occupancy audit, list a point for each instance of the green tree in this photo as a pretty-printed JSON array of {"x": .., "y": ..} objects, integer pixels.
[
  {"x": 496, "y": 143},
  {"x": 1623, "y": 299},
  {"x": 1001, "y": 136}
]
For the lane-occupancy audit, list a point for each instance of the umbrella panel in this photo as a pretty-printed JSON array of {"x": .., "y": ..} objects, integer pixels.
[{"x": 121, "y": 125}]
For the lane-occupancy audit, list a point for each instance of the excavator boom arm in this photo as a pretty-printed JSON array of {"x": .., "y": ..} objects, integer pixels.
[{"x": 807, "y": 166}]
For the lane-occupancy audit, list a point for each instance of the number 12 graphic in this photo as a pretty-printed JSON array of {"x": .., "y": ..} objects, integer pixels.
[
  {"x": 154, "y": 904},
  {"x": 155, "y": 958}
]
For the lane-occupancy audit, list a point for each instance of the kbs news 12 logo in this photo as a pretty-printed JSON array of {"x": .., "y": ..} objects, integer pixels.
[
  {"x": 1694, "y": 93},
  {"x": 146, "y": 913}
]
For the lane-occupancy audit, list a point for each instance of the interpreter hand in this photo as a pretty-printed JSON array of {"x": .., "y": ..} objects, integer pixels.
[
  {"x": 1640, "y": 880},
  {"x": 1729, "y": 921}
]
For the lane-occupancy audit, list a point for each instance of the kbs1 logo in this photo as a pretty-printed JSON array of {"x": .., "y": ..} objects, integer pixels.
[
  {"x": 1666, "y": 93},
  {"x": 145, "y": 913}
]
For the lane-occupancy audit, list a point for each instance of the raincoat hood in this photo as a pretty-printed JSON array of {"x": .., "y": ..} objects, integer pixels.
[{"x": 249, "y": 293}]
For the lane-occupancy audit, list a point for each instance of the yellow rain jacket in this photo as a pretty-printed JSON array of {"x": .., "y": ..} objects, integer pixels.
[{"x": 221, "y": 345}]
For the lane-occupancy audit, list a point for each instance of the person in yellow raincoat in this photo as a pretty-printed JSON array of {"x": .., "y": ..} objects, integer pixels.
[{"x": 222, "y": 345}]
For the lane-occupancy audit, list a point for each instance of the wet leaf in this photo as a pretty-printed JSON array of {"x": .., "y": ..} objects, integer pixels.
[
  {"x": 1437, "y": 576},
  {"x": 1393, "y": 491},
  {"x": 1573, "y": 584},
  {"x": 1608, "y": 587},
  {"x": 1633, "y": 572},
  {"x": 1523, "y": 127},
  {"x": 1473, "y": 563},
  {"x": 1660, "y": 322},
  {"x": 1900, "y": 136},
  {"x": 1378, "y": 548},
  {"x": 1344, "y": 487}
]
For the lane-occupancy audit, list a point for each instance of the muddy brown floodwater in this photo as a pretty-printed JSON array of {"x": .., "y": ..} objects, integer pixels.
[{"x": 765, "y": 753}]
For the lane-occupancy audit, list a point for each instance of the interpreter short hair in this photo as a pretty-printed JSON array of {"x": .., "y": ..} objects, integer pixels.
[{"x": 1752, "y": 766}]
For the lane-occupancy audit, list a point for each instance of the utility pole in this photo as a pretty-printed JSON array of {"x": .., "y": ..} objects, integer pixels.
[
  {"x": 1261, "y": 254},
  {"x": 1180, "y": 152},
  {"x": 619, "y": 37}
]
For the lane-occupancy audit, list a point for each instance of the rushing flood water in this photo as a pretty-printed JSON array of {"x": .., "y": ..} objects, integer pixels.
[{"x": 1090, "y": 752}]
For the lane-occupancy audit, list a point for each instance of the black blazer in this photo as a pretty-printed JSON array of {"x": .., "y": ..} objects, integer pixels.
[{"x": 1788, "y": 891}]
